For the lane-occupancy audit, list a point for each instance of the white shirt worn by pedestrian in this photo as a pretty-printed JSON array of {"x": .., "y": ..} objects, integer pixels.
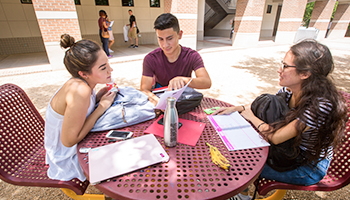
[{"x": 63, "y": 161}]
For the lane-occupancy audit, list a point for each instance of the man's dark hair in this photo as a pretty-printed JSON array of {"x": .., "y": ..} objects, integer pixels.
[
  {"x": 165, "y": 21},
  {"x": 130, "y": 10}
]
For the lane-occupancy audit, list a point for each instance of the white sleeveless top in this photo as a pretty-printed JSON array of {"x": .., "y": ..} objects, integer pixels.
[{"x": 62, "y": 160}]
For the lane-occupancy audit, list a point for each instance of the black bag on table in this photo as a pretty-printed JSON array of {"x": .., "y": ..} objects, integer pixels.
[
  {"x": 189, "y": 99},
  {"x": 272, "y": 108}
]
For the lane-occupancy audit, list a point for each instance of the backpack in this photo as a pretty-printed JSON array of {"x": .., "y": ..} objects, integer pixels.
[
  {"x": 272, "y": 108},
  {"x": 136, "y": 107}
]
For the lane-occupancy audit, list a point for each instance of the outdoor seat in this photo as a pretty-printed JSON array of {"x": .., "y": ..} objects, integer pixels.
[
  {"x": 338, "y": 174},
  {"x": 22, "y": 152}
]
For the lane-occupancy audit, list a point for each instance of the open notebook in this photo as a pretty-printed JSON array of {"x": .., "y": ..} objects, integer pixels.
[
  {"x": 126, "y": 156},
  {"x": 236, "y": 132}
]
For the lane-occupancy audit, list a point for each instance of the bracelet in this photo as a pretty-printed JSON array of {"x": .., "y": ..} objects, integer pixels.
[
  {"x": 261, "y": 124},
  {"x": 243, "y": 107}
]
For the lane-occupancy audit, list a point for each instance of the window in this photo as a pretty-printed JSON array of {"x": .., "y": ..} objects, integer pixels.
[
  {"x": 26, "y": 1},
  {"x": 154, "y": 3},
  {"x": 269, "y": 8},
  {"x": 101, "y": 2},
  {"x": 77, "y": 2},
  {"x": 127, "y": 2}
]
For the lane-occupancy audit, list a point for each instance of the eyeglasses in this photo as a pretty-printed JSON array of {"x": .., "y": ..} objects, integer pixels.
[{"x": 284, "y": 65}]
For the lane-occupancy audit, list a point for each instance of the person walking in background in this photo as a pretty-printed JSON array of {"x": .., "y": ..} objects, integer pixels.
[
  {"x": 132, "y": 31},
  {"x": 111, "y": 37},
  {"x": 232, "y": 23},
  {"x": 103, "y": 26}
]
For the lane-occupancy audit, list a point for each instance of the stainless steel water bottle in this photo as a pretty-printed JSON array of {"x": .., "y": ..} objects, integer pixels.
[{"x": 171, "y": 123}]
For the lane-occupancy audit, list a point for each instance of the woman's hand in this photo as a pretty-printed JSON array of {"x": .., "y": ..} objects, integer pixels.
[
  {"x": 101, "y": 92},
  {"x": 248, "y": 114},
  {"x": 225, "y": 110},
  {"x": 107, "y": 100},
  {"x": 153, "y": 99}
]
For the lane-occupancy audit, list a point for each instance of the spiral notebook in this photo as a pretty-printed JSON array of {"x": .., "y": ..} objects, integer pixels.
[
  {"x": 123, "y": 157},
  {"x": 236, "y": 132}
]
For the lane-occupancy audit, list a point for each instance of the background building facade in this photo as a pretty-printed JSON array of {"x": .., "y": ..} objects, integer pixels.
[{"x": 36, "y": 25}]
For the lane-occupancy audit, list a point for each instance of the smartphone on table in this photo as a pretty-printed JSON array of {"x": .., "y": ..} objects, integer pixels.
[
  {"x": 119, "y": 135},
  {"x": 161, "y": 123}
]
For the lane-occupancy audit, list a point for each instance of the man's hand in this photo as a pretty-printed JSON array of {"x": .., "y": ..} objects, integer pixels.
[{"x": 177, "y": 83}]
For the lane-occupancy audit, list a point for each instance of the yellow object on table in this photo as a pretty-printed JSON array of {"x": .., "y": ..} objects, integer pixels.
[{"x": 218, "y": 158}]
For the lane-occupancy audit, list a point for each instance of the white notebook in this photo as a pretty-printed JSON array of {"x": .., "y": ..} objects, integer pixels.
[
  {"x": 126, "y": 156},
  {"x": 236, "y": 132}
]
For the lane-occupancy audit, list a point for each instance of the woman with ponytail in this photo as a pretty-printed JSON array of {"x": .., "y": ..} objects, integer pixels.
[{"x": 71, "y": 112}]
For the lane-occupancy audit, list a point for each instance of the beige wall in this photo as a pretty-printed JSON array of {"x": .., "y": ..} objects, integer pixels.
[
  {"x": 223, "y": 28},
  {"x": 200, "y": 19},
  {"x": 268, "y": 20},
  {"x": 145, "y": 15},
  {"x": 17, "y": 20},
  {"x": 225, "y": 23},
  {"x": 20, "y": 31}
]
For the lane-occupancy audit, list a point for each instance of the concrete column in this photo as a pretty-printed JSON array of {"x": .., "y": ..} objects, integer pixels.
[
  {"x": 340, "y": 21},
  {"x": 248, "y": 19},
  {"x": 200, "y": 19},
  {"x": 290, "y": 20},
  {"x": 186, "y": 13},
  {"x": 56, "y": 17},
  {"x": 321, "y": 16}
]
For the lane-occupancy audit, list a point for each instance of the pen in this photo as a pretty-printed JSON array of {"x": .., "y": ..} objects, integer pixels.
[{"x": 120, "y": 94}]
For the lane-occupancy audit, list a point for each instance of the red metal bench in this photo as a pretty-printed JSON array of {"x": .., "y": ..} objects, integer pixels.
[
  {"x": 338, "y": 174},
  {"x": 22, "y": 152}
]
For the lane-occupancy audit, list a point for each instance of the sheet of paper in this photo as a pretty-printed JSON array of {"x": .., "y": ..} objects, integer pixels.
[
  {"x": 232, "y": 121},
  {"x": 188, "y": 134},
  {"x": 111, "y": 24},
  {"x": 163, "y": 98},
  {"x": 236, "y": 132}
]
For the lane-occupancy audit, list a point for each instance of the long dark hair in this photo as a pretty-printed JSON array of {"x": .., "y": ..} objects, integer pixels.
[
  {"x": 81, "y": 55},
  {"x": 316, "y": 59}
]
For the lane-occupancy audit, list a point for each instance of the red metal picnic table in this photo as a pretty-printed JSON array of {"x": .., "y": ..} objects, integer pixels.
[{"x": 190, "y": 173}]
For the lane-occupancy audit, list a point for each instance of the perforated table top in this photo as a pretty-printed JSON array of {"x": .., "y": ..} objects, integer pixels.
[{"x": 190, "y": 173}]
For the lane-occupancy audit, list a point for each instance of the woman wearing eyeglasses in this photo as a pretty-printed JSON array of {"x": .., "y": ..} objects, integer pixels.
[{"x": 316, "y": 118}]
